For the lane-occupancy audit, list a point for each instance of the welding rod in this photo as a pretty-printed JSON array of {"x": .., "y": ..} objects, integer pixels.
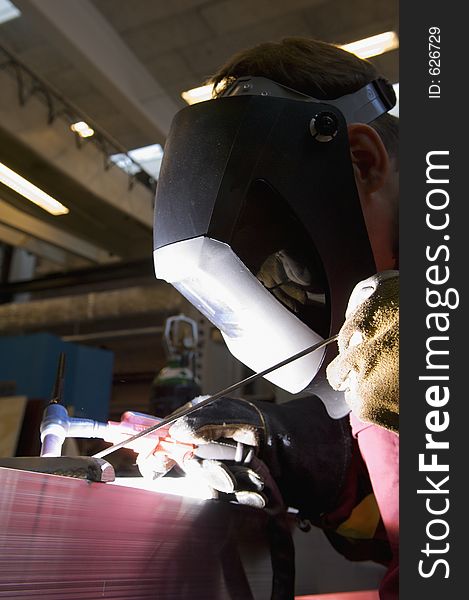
[{"x": 192, "y": 409}]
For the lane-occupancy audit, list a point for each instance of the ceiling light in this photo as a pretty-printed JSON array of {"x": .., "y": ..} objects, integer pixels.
[
  {"x": 82, "y": 128},
  {"x": 198, "y": 94},
  {"x": 31, "y": 192},
  {"x": 8, "y": 11},
  {"x": 147, "y": 157},
  {"x": 372, "y": 46}
]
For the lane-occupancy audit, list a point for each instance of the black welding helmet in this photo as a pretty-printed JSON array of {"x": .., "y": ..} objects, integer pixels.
[{"x": 258, "y": 222}]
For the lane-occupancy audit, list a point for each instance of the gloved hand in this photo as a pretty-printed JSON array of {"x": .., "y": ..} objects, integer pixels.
[
  {"x": 264, "y": 454},
  {"x": 367, "y": 367}
]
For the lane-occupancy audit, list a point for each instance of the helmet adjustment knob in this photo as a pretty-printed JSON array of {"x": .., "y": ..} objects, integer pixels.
[{"x": 324, "y": 126}]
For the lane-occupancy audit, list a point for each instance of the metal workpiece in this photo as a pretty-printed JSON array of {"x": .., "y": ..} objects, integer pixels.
[
  {"x": 78, "y": 467},
  {"x": 73, "y": 539}
]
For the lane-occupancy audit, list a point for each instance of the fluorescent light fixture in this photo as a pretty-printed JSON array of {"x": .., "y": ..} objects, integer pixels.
[
  {"x": 82, "y": 128},
  {"x": 8, "y": 11},
  {"x": 395, "y": 110},
  {"x": 148, "y": 157},
  {"x": 372, "y": 46},
  {"x": 198, "y": 94},
  {"x": 31, "y": 192}
]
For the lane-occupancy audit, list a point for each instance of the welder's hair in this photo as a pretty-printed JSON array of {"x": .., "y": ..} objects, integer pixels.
[{"x": 315, "y": 68}]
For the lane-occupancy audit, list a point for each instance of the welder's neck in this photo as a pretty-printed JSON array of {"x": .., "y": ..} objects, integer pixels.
[
  {"x": 383, "y": 245},
  {"x": 382, "y": 223}
]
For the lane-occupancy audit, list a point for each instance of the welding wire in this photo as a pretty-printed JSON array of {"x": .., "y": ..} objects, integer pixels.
[{"x": 192, "y": 409}]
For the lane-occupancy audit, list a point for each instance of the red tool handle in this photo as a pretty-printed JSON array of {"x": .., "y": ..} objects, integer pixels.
[{"x": 159, "y": 441}]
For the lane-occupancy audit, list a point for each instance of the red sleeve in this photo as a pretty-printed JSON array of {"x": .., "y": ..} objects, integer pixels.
[{"x": 380, "y": 451}]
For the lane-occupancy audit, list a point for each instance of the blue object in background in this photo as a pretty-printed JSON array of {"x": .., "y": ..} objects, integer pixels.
[{"x": 31, "y": 361}]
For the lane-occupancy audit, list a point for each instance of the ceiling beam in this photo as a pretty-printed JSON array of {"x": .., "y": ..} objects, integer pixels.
[
  {"x": 19, "y": 220},
  {"x": 87, "y": 39},
  {"x": 40, "y": 248},
  {"x": 113, "y": 275}
]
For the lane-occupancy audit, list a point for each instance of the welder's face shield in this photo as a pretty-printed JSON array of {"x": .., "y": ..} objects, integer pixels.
[
  {"x": 260, "y": 290},
  {"x": 258, "y": 224}
]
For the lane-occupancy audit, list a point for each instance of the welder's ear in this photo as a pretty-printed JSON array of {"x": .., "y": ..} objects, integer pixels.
[{"x": 370, "y": 159}]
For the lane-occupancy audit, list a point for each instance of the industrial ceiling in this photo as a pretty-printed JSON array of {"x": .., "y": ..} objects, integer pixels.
[{"x": 124, "y": 65}]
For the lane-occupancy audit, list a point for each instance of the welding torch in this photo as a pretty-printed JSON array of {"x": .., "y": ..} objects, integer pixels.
[
  {"x": 57, "y": 425},
  {"x": 164, "y": 424}
]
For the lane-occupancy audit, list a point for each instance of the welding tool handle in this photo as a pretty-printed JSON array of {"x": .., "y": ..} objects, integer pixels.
[{"x": 192, "y": 409}]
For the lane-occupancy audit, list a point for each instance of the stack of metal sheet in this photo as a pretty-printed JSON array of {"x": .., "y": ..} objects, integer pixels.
[{"x": 65, "y": 539}]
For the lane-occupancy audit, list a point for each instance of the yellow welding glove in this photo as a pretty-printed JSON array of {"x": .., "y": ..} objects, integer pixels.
[{"x": 367, "y": 367}]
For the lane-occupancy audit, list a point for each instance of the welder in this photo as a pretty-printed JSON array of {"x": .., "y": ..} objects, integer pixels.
[{"x": 276, "y": 200}]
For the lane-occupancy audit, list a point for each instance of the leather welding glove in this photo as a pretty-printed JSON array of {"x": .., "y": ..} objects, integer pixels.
[
  {"x": 367, "y": 367},
  {"x": 270, "y": 455}
]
